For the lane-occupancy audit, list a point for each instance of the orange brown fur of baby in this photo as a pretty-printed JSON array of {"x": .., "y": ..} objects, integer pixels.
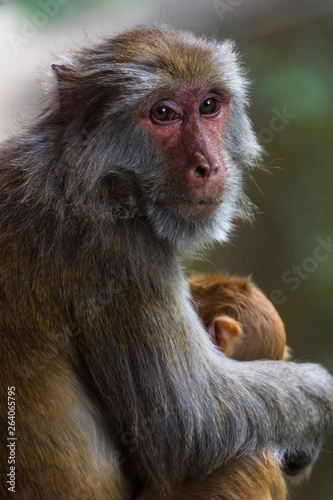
[
  {"x": 239, "y": 317},
  {"x": 255, "y": 477}
]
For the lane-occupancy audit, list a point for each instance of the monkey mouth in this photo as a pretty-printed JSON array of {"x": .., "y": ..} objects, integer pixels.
[
  {"x": 197, "y": 209},
  {"x": 201, "y": 204}
]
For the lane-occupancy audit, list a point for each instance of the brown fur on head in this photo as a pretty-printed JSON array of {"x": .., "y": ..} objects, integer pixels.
[{"x": 262, "y": 334}]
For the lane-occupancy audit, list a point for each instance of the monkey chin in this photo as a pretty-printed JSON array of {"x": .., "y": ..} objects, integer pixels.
[{"x": 193, "y": 228}]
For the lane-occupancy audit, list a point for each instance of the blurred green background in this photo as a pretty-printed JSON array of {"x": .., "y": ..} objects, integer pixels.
[{"x": 287, "y": 47}]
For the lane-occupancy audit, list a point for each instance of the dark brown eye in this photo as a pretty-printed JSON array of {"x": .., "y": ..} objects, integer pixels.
[
  {"x": 209, "y": 106},
  {"x": 164, "y": 114}
]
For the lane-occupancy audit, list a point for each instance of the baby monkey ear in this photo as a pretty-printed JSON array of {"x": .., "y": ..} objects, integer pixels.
[{"x": 226, "y": 332}]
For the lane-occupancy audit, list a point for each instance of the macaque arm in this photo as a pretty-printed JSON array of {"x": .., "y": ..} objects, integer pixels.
[{"x": 167, "y": 387}]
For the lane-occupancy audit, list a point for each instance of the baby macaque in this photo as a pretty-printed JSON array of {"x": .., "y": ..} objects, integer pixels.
[{"x": 240, "y": 319}]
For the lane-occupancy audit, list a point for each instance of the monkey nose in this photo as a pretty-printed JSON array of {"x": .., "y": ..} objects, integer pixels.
[{"x": 204, "y": 167}]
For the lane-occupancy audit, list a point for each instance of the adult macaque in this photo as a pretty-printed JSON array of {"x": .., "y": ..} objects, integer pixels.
[{"x": 140, "y": 140}]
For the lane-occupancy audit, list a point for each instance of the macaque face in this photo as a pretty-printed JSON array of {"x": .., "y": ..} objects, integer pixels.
[{"x": 187, "y": 127}]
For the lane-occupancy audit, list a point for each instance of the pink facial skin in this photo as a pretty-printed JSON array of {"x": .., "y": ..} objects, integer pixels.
[{"x": 188, "y": 129}]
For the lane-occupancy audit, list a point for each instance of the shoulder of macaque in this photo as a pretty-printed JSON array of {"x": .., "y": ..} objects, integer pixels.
[{"x": 239, "y": 317}]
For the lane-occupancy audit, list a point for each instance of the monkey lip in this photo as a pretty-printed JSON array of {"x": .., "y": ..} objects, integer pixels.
[
  {"x": 197, "y": 208},
  {"x": 201, "y": 204}
]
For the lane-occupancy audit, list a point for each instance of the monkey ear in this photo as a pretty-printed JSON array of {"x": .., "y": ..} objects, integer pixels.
[
  {"x": 226, "y": 332},
  {"x": 68, "y": 90},
  {"x": 57, "y": 67},
  {"x": 63, "y": 72}
]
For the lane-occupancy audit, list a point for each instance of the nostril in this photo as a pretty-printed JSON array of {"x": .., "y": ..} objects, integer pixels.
[{"x": 201, "y": 172}]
